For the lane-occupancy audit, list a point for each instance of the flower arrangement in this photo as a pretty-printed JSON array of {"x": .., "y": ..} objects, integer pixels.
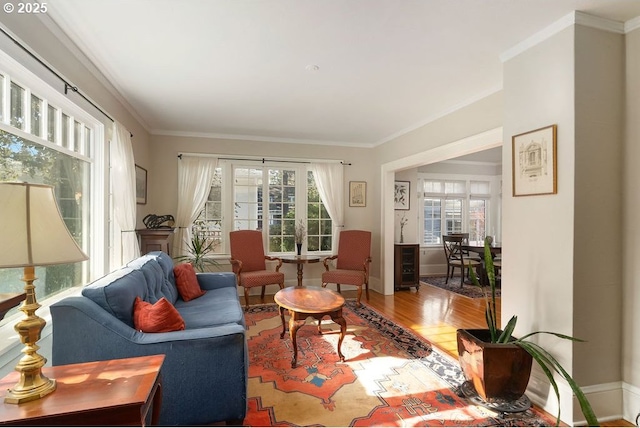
[
  {"x": 301, "y": 232},
  {"x": 403, "y": 223}
]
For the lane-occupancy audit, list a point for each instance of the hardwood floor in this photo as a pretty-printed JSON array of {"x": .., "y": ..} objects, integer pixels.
[{"x": 432, "y": 313}]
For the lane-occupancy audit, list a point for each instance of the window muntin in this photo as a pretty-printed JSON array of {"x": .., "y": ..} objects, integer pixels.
[{"x": 210, "y": 220}]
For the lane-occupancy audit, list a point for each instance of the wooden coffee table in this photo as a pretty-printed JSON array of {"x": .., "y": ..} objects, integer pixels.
[{"x": 305, "y": 302}]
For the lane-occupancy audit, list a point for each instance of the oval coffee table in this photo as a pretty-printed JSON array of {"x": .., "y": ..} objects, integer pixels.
[{"x": 304, "y": 302}]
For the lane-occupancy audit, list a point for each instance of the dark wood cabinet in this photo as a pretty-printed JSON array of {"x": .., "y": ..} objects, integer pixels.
[
  {"x": 406, "y": 266},
  {"x": 154, "y": 240}
]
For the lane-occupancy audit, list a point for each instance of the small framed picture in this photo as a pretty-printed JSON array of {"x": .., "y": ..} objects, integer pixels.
[
  {"x": 357, "y": 193},
  {"x": 402, "y": 195},
  {"x": 141, "y": 185},
  {"x": 534, "y": 162}
]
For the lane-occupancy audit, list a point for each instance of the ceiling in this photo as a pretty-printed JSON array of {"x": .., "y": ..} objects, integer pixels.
[{"x": 344, "y": 72}]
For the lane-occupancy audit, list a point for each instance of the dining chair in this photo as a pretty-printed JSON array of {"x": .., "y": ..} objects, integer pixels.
[
  {"x": 248, "y": 262},
  {"x": 465, "y": 241},
  {"x": 351, "y": 263},
  {"x": 456, "y": 259}
]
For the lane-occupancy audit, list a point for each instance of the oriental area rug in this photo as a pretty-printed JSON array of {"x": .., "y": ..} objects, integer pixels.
[
  {"x": 390, "y": 377},
  {"x": 468, "y": 290}
]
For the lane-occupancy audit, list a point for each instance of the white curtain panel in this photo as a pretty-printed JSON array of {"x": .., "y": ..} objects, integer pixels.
[
  {"x": 330, "y": 184},
  {"x": 123, "y": 181},
  {"x": 195, "y": 174}
]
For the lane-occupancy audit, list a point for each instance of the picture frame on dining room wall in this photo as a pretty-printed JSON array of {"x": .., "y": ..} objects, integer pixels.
[
  {"x": 357, "y": 193},
  {"x": 402, "y": 195},
  {"x": 534, "y": 162}
]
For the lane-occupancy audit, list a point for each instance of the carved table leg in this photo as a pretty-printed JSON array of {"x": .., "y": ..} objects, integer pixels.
[
  {"x": 294, "y": 325},
  {"x": 281, "y": 310},
  {"x": 338, "y": 319},
  {"x": 299, "y": 274}
]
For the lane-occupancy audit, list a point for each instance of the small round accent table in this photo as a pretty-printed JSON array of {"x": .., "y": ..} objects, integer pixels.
[
  {"x": 304, "y": 302},
  {"x": 300, "y": 261}
]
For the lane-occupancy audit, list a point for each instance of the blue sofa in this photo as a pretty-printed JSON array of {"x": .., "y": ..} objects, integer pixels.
[{"x": 204, "y": 375}]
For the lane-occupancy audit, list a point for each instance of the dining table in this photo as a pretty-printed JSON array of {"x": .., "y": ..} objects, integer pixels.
[{"x": 478, "y": 248}]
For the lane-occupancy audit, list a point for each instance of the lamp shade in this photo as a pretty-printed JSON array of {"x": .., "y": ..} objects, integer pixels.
[{"x": 32, "y": 230}]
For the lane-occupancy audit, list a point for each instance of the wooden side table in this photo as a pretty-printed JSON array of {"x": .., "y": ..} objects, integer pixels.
[
  {"x": 300, "y": 261},
  {"x": 112, "y": 392},
  {"x": 154, "y": 239}
]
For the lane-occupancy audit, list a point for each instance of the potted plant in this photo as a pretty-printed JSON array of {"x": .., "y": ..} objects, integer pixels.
[
  {"x": 499, "y": 365},
  {"x": 300, "y": 233},
  {"x": 199, "y": 249}
]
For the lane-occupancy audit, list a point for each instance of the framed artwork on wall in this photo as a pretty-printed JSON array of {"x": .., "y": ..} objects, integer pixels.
[
  {"x": 402, "y": 195},
  {"x": 535, "y": 162},
  {"x": 357, "y": 193},
  {"x": 141, "y": 185}
]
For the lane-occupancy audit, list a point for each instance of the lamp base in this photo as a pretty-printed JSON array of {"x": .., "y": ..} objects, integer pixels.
[{"x": 32, "y": 386}]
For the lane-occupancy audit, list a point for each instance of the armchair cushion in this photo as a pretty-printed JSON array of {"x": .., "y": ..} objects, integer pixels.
[
  {"x": 186, "y": 282},
  {"x": 261, "y": 277},
  {"x": 159, "y": 317},
  {"x": 344, "y": 276}
]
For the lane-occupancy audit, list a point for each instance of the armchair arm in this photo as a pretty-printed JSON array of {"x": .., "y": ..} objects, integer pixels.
[
  {"x": 366, "y": 263},
  {"x": 326, "y": 260},
  {"x": 236, "y": 266},
  {"x": 278, "y": 259}
]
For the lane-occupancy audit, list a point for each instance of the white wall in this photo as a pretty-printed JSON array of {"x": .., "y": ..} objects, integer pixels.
[
  {"x": 554, "y": 244},
  {"x": 631, "y": 231}
]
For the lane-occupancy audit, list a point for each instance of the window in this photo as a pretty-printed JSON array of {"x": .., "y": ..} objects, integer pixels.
[
  {"x": 454, "y": 206},
  {"x": 271, "y": 198},
  {"x": 30, "y": 152}
]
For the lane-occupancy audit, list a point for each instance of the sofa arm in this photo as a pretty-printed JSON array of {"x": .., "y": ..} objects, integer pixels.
[
  {"x": 213, "y": 280},
  {"x": 204, "y": 375}
]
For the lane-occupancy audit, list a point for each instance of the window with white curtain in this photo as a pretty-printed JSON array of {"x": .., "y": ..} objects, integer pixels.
[
  {"x": 272, "y": 197},
  {"x": 34, "y": 149},
  {"x": 453, "y": 205}
]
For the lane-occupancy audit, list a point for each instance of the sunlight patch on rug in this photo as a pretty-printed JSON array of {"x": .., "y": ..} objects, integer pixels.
[{"x": 391, "y": 377}]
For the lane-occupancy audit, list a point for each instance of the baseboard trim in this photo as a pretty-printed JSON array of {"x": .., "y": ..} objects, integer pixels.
[{"x": 610, "y": 401}]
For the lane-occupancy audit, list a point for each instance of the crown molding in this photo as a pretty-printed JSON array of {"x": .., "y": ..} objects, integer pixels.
[
  {"x": 571, "y": 19},
  {"x": 632, "y": 24},
  {"x": 212, "y": 135}
]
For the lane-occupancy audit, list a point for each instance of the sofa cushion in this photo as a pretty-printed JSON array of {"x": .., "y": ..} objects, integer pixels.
[
  {"x": 117, "y": 291},
  {"x": 187, "y": 282},
  {"x": 159, "y": 317},
  {"x": 156, "y": 277},
  {"x": 217, "y": 307}
]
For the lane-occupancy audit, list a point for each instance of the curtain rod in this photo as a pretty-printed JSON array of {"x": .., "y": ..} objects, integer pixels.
[
  {"x": 263, "y": 160},
  {"x": 67, "y": 86}
]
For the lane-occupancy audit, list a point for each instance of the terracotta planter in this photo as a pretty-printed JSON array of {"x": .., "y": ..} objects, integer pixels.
[{"x": 497, "y": 371}]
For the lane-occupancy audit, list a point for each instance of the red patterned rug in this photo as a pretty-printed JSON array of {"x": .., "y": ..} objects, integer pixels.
[{"x": 391, "y": 377}]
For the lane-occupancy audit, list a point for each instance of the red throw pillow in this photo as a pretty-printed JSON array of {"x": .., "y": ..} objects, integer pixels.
[
  {"x": 157, "y": 318},
  {"x": 187, "y": 282}
]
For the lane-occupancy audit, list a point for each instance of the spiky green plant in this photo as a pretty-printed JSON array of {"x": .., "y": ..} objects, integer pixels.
[
  {"x": 199, "y": 248},
  {"x": 547, "y": 362}
]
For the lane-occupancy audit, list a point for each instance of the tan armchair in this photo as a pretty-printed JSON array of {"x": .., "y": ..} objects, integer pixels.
[
  {"x": 248, "y": 262},
  {"x": 352, "y": 261}
]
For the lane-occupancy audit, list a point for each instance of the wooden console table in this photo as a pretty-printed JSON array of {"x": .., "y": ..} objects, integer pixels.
[{"x": 112, "y": 392}]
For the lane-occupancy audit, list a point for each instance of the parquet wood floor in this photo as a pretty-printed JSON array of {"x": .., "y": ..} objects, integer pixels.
[{"x": 432, "y": 313}]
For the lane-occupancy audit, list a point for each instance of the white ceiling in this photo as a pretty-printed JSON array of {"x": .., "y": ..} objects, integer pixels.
[{"x": 240, "y": 68}]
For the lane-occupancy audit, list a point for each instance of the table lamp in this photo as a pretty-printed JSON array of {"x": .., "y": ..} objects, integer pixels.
[{"x": 33, "y": 234}]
